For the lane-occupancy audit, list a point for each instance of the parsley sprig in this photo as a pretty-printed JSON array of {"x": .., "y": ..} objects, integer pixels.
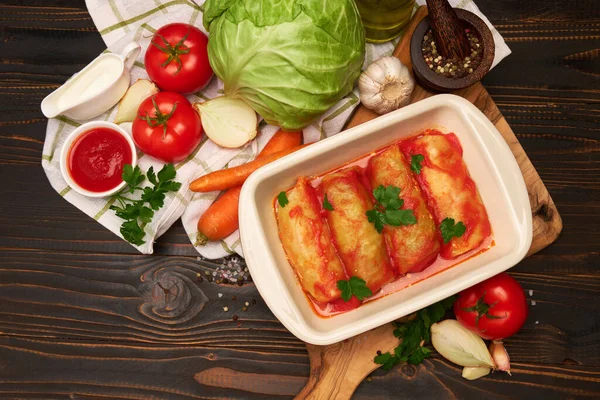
[
  {"x": 449, "y": 229},
  {"x": 414, "y": 335},
  {"x": 415, "y": 163},
  {"x": 354, "y": 287},
  {"x": 387, "y": 209},
  {"x": 138, "y": 213}
]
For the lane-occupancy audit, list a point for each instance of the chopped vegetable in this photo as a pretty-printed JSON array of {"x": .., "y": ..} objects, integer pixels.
[
  {"x": 449, "y": 229},
  {"x": 228, "y": 178},
  {"x": 414, "y": 335},
  {"x": 152, "y": 199},
  {"x": 354, "y": 287},
  {"x": 138, "y": 92},
  {"x": 282, "y": 199},
  {"x": 253, "y": 49},
  {"x": 387, "y": 209},
  {"x": 415, "y": 163},
  {"x": 228, "y": 122}
]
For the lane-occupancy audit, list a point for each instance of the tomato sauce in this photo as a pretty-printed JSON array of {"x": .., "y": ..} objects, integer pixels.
[{"x": 96, "y": 159}]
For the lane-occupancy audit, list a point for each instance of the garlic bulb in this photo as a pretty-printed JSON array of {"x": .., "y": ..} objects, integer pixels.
[
  {"x": 472, "y": 373},
  {"x": 385, "y": 85},
  {"x": 229, "y": 122},
  {"x": 459, "y": 345}
]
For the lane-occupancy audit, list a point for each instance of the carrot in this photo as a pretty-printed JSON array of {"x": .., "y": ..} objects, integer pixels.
[
  {"x": 281, "y": 141},
  {"x": 228, "y": 178},
  {"x": 221, "y": 218}
]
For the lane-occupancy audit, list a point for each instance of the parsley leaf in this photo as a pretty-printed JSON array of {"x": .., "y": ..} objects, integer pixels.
[
  {"x": 167, "y": 173},
  {"x": 415, "y": 163},
  {"x": 387, "y": 209},
  {"x": 326, "y": 204},
  {"x": 132, "y": 176},
  {"x": 135, "y": 211},
  {"x": 400, "y": 217},
  {"x": 414, "y": 335},
  {"x": 377, "y": 218},
  {"x": 282, "y": 199},
  {"x": 132, "y": 232},
  {"x": 354, "y": 286},
  {"x": 450, "y": 230}
]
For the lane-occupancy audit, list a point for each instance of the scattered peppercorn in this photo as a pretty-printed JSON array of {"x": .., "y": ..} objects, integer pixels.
[
  {"x": 244, "y": 308},
  {"x": 253, "y": 301},
  {"x": 378, "y": 352},
  {"x": 225, "y": 309},
  {"x": 235, "y": 317},
  {"x": 451, "y": 67},
  {"x": 233, "y": 298}
]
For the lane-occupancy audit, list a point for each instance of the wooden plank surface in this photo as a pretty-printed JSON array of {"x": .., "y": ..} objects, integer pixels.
[{"x": 82, "y": 315}]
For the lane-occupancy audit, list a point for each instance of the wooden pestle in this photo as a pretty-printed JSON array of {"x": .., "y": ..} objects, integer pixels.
[{"x": 448, "y": 31}]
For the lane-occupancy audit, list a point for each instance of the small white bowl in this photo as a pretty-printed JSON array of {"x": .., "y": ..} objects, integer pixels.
[
  {"x": 491, "y": 164},
  {"x": 64, "y": 154}
]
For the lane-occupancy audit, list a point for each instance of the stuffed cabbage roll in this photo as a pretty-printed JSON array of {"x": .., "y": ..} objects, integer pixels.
[
  {"x": 307, "y": 243},
  {"x": 359, "y": 245},
  {"x": 450, "y": 191},
  {"x": 411, "y": 247}
]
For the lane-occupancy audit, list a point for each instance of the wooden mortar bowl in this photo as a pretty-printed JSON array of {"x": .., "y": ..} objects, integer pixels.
[{"x": 427, "y": 77}]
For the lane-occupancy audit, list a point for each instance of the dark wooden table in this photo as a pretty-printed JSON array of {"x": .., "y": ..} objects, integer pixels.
[{"x": 82, "y": 315}]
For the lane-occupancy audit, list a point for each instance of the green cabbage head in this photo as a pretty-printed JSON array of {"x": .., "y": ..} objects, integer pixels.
[{"x": 290, "y": 60}]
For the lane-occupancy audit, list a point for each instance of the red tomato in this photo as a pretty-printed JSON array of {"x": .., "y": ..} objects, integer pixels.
[
  {"x": 167, "y": 127},
  {"x": 494, "y": 309},
  {"x": 177, "y": 59}
]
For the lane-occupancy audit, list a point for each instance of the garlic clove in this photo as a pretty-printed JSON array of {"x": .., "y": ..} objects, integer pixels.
[
  {"x": 459, "y": 345},
  {"x": 229, "y": 122},
  {"x": 385, "y": 85},
  {"x": 472, "y": 373},
  {"x": 500, "y": 356},
  {"x": 138, "y": 92}
]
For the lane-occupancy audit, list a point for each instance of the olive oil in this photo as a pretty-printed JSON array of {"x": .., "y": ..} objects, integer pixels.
[{"x": 384, "y": 20}]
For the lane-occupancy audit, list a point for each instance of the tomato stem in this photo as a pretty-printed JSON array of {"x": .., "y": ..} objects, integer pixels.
[
  {"x": 159, "y": 118},
  {"x": 172, "y": 51},
  {"x": 483, "y": 310}
]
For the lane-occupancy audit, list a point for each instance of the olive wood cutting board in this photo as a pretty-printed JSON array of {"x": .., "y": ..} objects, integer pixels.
[{"x": 336, "y": 370}]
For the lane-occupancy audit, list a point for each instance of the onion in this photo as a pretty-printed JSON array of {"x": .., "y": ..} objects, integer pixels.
[
  {"x": 138, "y": 92},
  {"x": 229, "y": 122}
]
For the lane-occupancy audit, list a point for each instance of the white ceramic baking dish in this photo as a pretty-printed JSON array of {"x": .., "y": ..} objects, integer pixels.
[{"x": 490, "y": 163}]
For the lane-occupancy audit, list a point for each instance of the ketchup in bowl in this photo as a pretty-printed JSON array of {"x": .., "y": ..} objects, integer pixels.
[{"x": 96, "y": 159}]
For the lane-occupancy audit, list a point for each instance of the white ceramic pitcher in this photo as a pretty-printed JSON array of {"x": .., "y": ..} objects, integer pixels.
[{"x": 95, "y": 89}]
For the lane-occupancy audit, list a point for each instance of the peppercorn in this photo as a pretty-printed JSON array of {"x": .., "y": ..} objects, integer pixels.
[{"x": 451, "y": 67}]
